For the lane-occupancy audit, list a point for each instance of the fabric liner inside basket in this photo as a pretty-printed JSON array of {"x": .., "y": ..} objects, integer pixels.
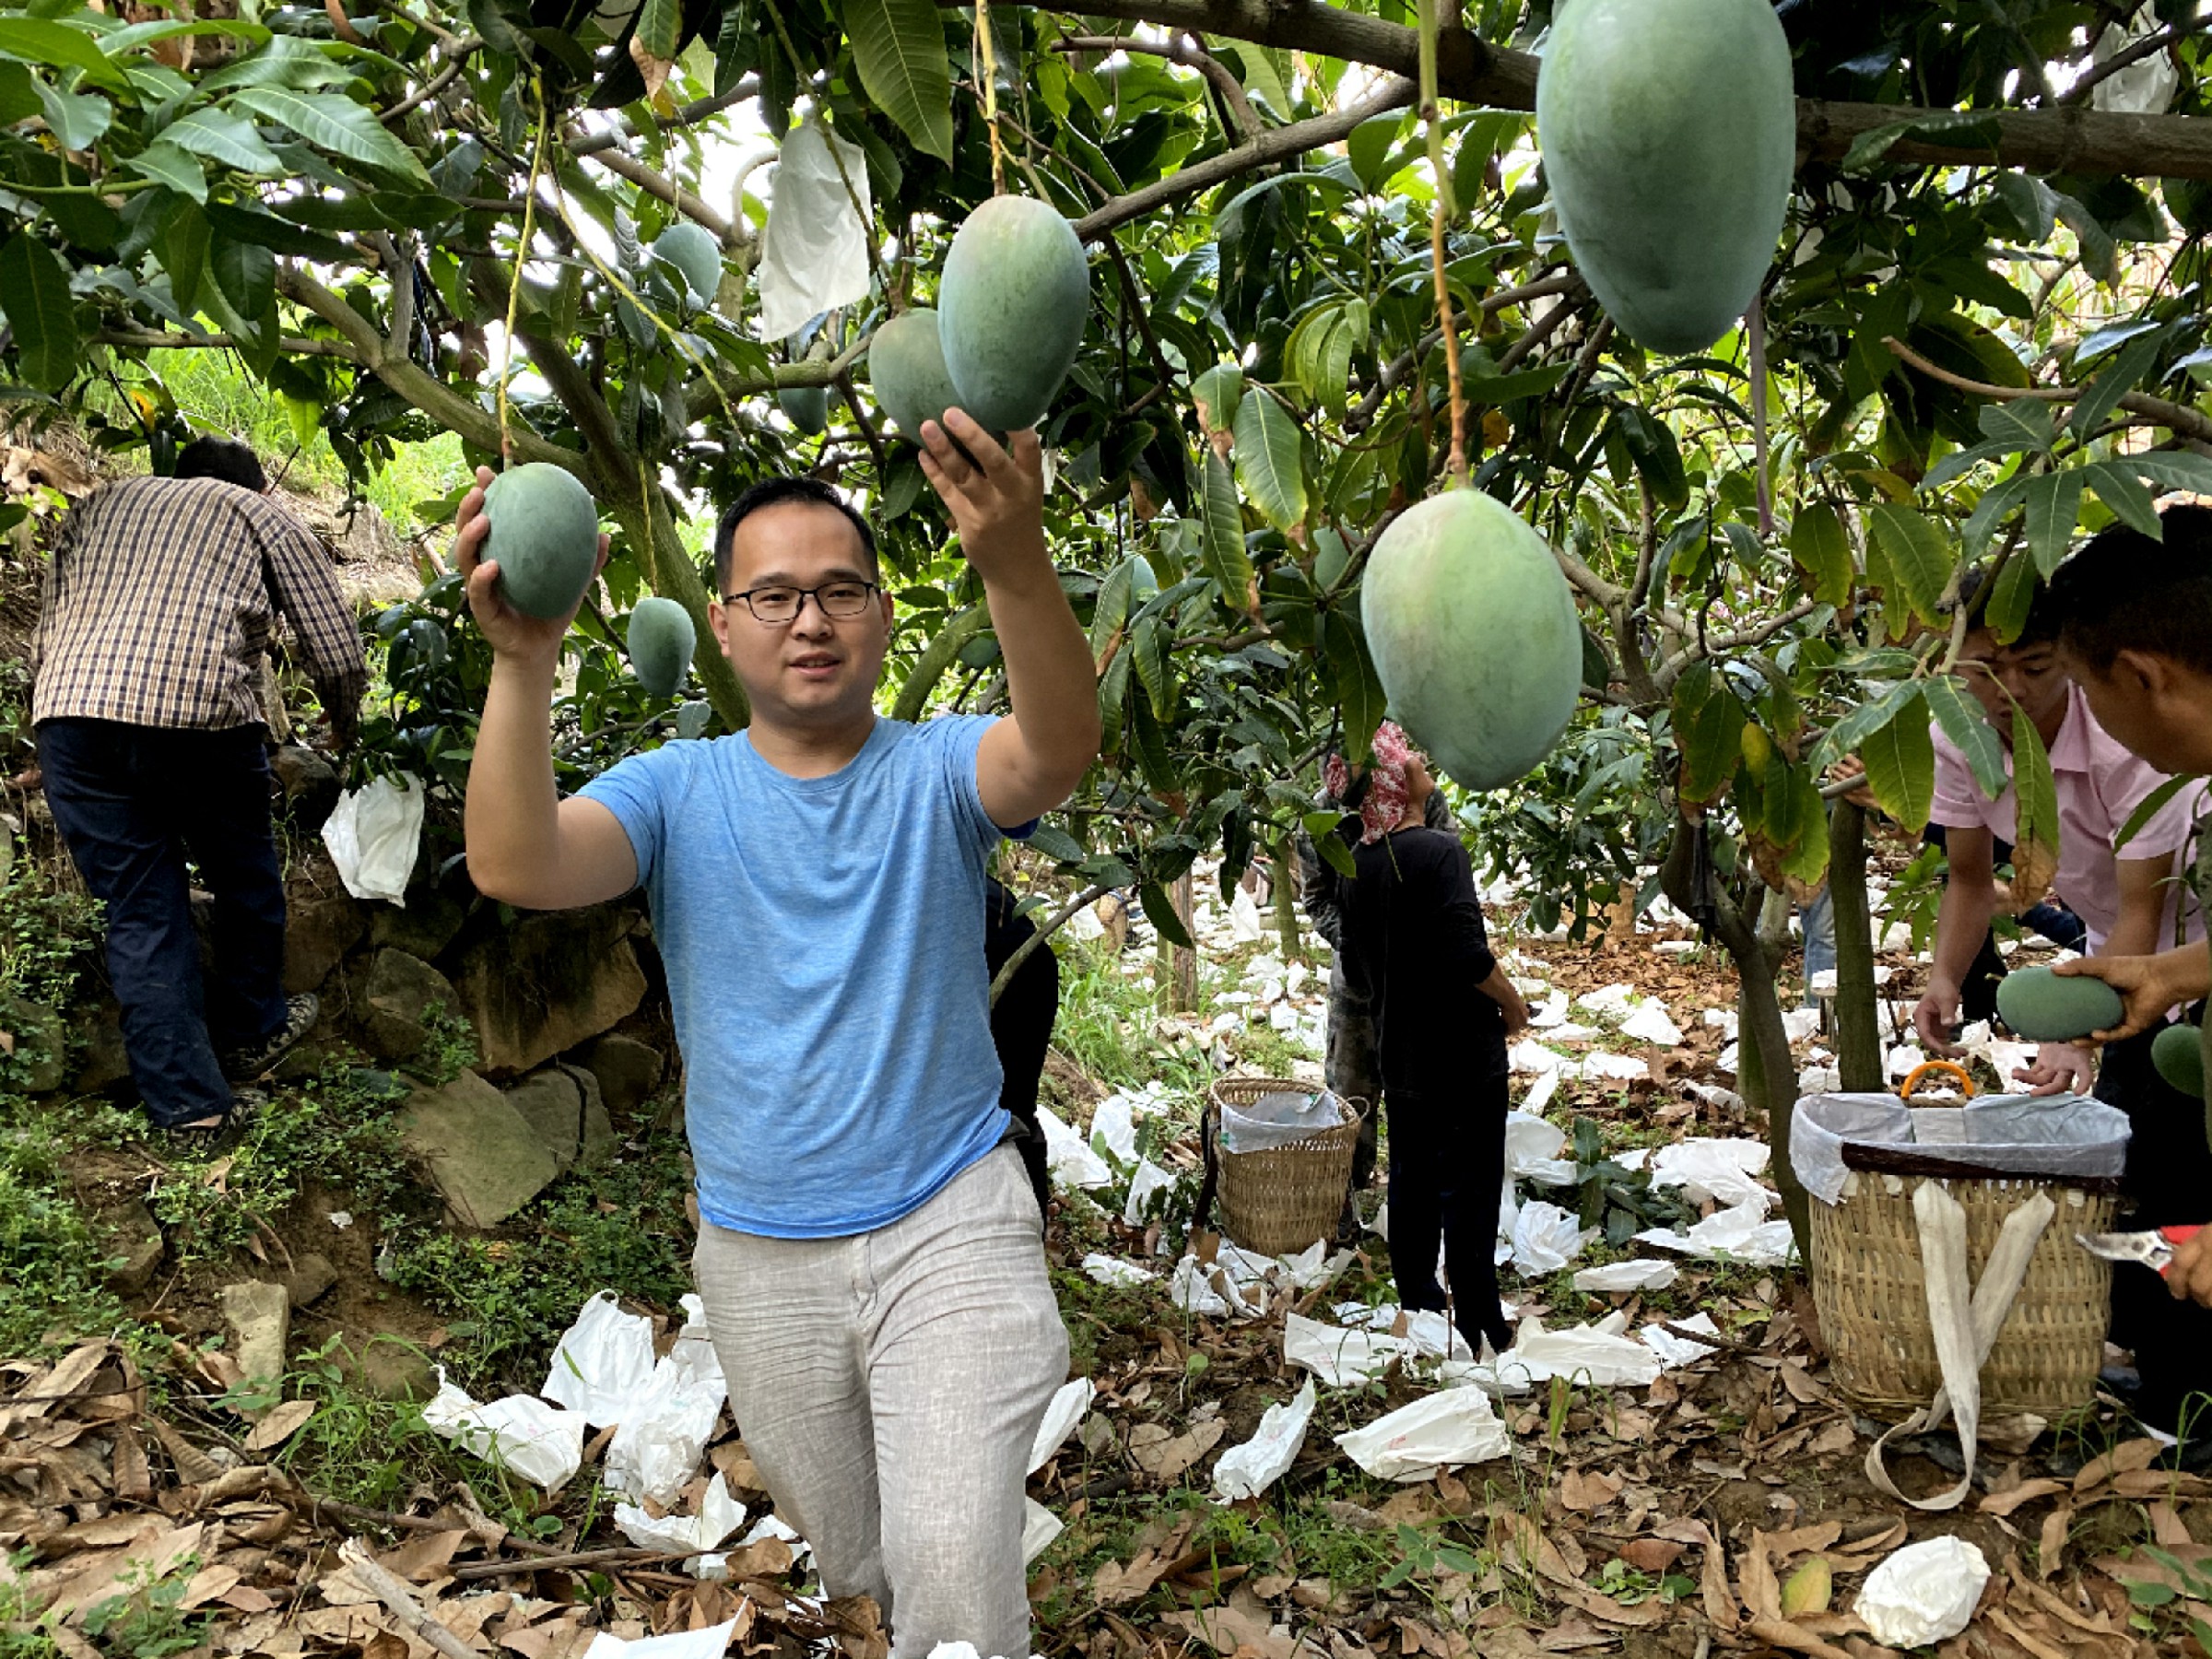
[
  {"x": 2052, "y": 1135},
  {"x": 1278, "y": 1120}
]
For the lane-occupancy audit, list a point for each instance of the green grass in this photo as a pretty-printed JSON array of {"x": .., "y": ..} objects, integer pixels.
[{"x": 53, "y": 1261}]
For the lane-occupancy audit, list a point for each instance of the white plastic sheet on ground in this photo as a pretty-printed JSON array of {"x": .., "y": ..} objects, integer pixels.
[
  {"x": 1677, "y": 1351},
  {"x": 1529, "y": 1056},
  {"x": 1340, "y": 1358},
  {"x": 1244, "y": 926},
  {"x": 1723, "y": 1171},
  {"x": 1247, "y": 1470},
  {"x": 1546, "y": 1238},
  {"x": 1741, "y": 1233},
  {"x": 1068, "y": 1157},
  {"x": 1530, "y": 1141},
  {"x": 1616, "y": 1276},
  {"x": 814, "y": 255},
  {"x": 1441, "y": 1431},
  {"x": 1039, "y": 1527},
  {"x": 1539, "y": 1094},
  {"x": 1113, "y": 1127},
  {"x": 711, "y": 1643},
  {"x": 602, "y": 1362},
  {"x": 1149, "y": 1182},
  {"x": 1608, "y": 1002},
  {"x": 1060, "y": 1416},
  {"x": 1651, "y": 1024},
  {"x": 1553, "y": 1012},
  {"x": 1922, "y": 1593},
  {"x": 373, "y": 835},
  {"x": 542, "y": 1443},
  {"x": 1431, "y": 1333},
  {"x": 664, "y": 1433},
  {"x": 1199, "y": 1288},
  {"x": 719, "y": 1516},
  {"x": 1601, "y": 1066},
  {"x": 1114, "y": 1272},
  {"x": 1596, "y": 1356}
]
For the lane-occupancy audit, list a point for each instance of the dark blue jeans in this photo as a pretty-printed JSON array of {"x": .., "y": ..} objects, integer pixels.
[
  {"x": 133, "y": 803},
  {"x": 1447, "y": 1166}
]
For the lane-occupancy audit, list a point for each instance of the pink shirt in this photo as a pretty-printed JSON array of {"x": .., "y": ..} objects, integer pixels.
[{"x": 2100, "y": 787}]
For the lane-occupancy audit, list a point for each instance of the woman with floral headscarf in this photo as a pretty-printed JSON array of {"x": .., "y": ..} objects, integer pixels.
[{"x": 1444, "y": 1010}]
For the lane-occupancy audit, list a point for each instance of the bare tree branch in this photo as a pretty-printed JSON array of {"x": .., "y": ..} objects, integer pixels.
[
  {"x": 2177, "y": 416},
  {"x": 683, "y": 201},
  {"x": 1362, "y": 414},
  {"x": 1279, "y": 144},
  {"x": 1178, "y": 49}
]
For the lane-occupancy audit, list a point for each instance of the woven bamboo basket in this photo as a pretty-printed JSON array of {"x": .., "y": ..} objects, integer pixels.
[
  {"x": 1280, "y": 1201},
  {"x": 1871, "y": 1292}
]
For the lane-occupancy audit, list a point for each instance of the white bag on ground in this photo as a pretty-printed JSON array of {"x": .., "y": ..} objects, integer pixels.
[
  {"x": 1741, "y": 1233},
  {"x": 1062, "y": 1412},
  {"x": 814, "y": 253},
  {"x": 1546, "y": 1238},
  {"x": 373, "y": 835},
  {"x": 540, "y": 1442},
  {"x": 710, "y": 1643},
  {"x": 1068, "y": 1157},
  {"x": 719, "y": 1516},
  {"x": 1249, "y": 1469},
  {"x": 602, "y": 1363},
  {"x": 1723, "y": 1170},
  {"x": 1923, "y": 1594},
  {"x": 1340, "y": 1358},
  {"x": 666, "y": 1427},
  {"x": 1437, "y": 1432}
]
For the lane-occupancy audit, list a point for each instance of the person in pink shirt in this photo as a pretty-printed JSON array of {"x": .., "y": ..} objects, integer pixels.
[{"x": 2127, "y": 897}]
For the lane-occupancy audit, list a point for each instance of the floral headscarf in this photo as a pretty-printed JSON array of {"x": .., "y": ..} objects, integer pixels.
[{"x": 1384, "y": 803}]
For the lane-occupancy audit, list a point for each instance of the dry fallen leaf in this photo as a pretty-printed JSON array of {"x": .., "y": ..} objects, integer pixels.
[
  {"x": 1164, "y": 1456},
  {"x": 1807, "y": 1590},
  {"x": 1589, "y": 1492},
  {"x": 280, "y": 1425}
]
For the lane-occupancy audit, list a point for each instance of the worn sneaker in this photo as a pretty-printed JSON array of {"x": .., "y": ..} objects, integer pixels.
[
  {"x": 207, "y": 1134},
  {"x": 300, "y": 1013}
]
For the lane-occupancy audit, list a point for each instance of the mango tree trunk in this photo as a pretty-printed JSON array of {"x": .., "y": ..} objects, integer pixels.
[
  {"x": 669, "y": 571},
  {"x": 1766, "y": 1075},
  {"x": 1858, "y": 1017},
  {"x": 1283, "y": 895},
  {"x": 1179, "y": 963}
]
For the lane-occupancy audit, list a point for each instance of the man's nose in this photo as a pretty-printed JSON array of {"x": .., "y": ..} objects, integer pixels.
[{"x": 816, "y": 624}]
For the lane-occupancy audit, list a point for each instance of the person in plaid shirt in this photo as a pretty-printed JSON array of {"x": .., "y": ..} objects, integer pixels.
[{"x": 160, "y": 600}]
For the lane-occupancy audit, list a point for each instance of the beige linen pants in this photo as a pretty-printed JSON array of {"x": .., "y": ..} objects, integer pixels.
[{"x": 888, "y": 1386}]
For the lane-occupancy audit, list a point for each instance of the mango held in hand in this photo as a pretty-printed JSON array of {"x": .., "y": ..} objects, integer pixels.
[
  {"x": 545, "y": 536},
  {"x": 1671, "y": 187},
  {"x": 1011, "y": 310},
  {"x": 2178, "y": 1051},
  {"x": 2041, "y": 1007},
  {"x": 661, "y": 641},
  {"x": 1474, "y": 633}
]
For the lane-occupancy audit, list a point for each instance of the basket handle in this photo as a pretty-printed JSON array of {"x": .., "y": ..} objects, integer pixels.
[{"x": 1912, "y": 1080}]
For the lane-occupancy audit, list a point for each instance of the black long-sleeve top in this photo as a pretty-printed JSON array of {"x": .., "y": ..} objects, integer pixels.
[{"x": 1415, "y": 942}]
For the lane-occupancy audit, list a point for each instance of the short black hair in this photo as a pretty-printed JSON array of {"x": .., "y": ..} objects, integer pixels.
[
  {"x": 224, "y": 458},
  {"x": 2125, "y": 592},
  {"x": 776, "y": 492},
  {"x": 2040, "y": 628}
]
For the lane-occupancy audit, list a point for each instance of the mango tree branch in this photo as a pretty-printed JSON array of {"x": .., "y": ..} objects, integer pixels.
[
  {"x": 1179, "y": 50},
  {"x": 475, "y": 423},
  {"x": 2178, "y": 418},
  {"x": 683, "y": 201},
  {"x": 2064, "y": 139},
  {"x": 160, "y": 339},
  {"x": 1036, "y": 941},
  {"x": 691, "y": 114},
  {"x": 1279, "y": 144},
  {"x": 1362, "y": 414}
]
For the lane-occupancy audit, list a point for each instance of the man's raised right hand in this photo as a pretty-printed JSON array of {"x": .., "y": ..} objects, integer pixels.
[{"x": 509, "y": 631}]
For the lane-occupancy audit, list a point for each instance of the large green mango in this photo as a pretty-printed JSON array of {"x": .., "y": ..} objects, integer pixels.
[
  {"x": 693, "y": 253},
  {"x": 545, "y": 535},
  {"x": 1474, "y": 633},
  {"x": 2042, "y": 1006},
  {"x": 661, "y": 639},
  {"x": 1669, "y": 135},
  {"x": 1011, "y": 309},
  {"x": 906, "y": 365},
  {"x": 807, "y": 408},
  {"x": 2178, "y": 1053}
]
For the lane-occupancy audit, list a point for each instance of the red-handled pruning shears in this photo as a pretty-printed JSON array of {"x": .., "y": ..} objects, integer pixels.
[{"x": 2153, "y": 1247}]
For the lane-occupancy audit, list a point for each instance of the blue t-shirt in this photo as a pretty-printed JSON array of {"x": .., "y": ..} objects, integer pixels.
[{"x": 824, "y": 943}]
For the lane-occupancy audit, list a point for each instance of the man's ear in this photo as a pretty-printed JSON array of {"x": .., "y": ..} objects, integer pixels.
[{"x": 2143, "y": 671}]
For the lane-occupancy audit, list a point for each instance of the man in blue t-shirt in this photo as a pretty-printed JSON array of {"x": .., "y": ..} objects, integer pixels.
[{"x": 870, "y": 1255}]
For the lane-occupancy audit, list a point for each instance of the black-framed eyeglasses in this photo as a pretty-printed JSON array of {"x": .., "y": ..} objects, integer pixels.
[{"x": 841, "y": 600}]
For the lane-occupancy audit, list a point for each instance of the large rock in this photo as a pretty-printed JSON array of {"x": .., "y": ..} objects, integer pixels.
[
  {"x": 595, "y": 1136},
  {"x": 36, "y": 1041},
  {"x": 317, "y": 935},
  {"x": 552, "y": 1104},
  {"x": 483, "y": 1156},
  {"x": 138, "y": 1248},
  {"x": 628, "y": 1071},
  {"x": 261, "y": 1316},
  {"x": 425, "y": 926},
  {"x": 310, "y": 786},
  {"x": 397, "y": 992},
  {"x": 106, "y": 1062},
  {"x": 549, "y": 982}
]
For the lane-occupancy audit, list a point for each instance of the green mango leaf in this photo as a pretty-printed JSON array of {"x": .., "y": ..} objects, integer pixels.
[
  {"x": 1153, "y": 642},
  {"x": 2174, "y": 469},
  {"x": 1269, "y": 446},
  {"x": 76, "y": 119},
  {"x": 1222, "y": 548},
  {"x": 18, "y": 97},
  {"x": 1159, "y": 910},
  {"x": 936, "y": 659},
  {"x": 2007, "y": 613},
  {"x": 1109, "y": 615},
  {"x": 2035, "y": 814},
  {"x": 1995, "y": 502},
  {"x": 2022, "y": 424},
  {"x": 1964, "y": 723},
  {"x": 2131, "y": 363},
  {"x": 1056, "y": 843},
  {"x": 222, "y": 137},
  {"x": 333, "y": 122},
  {"x": 1844, "y": 737},
  {"x": 1155, "y": 760},
  {"x": 245, "y": 273},
  {"x": 1821, "y": 550},
  {"x": 899, "y": 47},
  {"x": 1370, "y": 144},
  {"x": 1920, "y": 557},
  {"x": 166, "y": 164},
  {"x": 1709, "y": 732},
  {"x": 2120, "y": 487},
  {"x": 1360, "y": 695},
  {"x": 34, "y": 292},
  {"x": 184, "y": 252},
  {"x": 1113, "y": 694},
  {"x": 2054, "y": 504},
  {"x": 1216, "y": 393},
  {"x": 41, "y": 40},
  {"x": 1900, "y": 767}
]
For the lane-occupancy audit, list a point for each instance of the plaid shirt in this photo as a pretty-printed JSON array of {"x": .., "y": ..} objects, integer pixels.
[{"x": 162, "y": 599}]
